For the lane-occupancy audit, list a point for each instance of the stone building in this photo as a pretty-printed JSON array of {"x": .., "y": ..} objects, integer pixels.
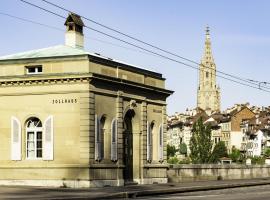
[
  {"x": 180, "y": 129},
  {"x": 208, "y": 95},
  {"x": 69, "y": 117},
  {"x": 231, "y": 131},
  {"x": 256, "y": 132}
]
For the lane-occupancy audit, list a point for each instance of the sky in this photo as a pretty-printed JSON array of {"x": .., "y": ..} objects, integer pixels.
[{"x": 240, "y": 35}]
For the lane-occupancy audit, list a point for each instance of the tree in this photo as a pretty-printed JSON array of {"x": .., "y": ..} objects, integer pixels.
[
  {"x": 183, "y": 148},
  {"x": 267, "y": 152},
  {"x": 235, "y": 155},
  {"x": 200, "y": 143},
  {"x": 171, "y": 150},
  {"x": 219, "y": 151}
]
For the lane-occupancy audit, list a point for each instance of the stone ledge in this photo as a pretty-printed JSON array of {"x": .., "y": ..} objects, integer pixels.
[
  {"x": 216, "y": 166},
  {"x": 156, "y": 165},
  {"x": 106, "y": 166}
]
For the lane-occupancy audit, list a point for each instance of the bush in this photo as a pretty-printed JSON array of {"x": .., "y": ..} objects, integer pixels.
[
  {"x": 258, "y": 160},
  {"x": 267, "y": 152},
  {"x": 173, "y": 160},
  {"x": 183, "y": 148},
  {"x": 185, "y": 161},
  {"x": 171, "y": 150}
]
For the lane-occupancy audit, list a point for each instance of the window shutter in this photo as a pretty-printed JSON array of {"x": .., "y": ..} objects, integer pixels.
[
  {"x": 114, "y": 130},
  {"x": 160, "y": 149},
  {"x": 48, "y": 139},
  {"x": 97, "y": 139},
  {"x": 16, "y": 136},
  {"x": 149, "y": 143}
]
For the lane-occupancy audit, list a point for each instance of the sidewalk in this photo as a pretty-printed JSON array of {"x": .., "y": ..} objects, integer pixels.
[{"x": 123, "y": 191}]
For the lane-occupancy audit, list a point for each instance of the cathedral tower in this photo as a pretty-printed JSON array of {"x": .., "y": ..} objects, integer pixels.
[{"x": 208, "y": 96}]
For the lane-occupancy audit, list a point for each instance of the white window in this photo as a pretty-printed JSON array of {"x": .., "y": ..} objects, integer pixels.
[
  {"x": 33, "y": 138},
  {"x": 36, "y": 69}
]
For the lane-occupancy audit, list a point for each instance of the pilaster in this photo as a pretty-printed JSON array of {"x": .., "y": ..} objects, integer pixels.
[
  {"x": 143, "y": 138},
  {"x": 92, "y": 112},
  {"x": 119, "y": 115},
  {"x": 164, "y": 121},
  {"x": 84, "y": 129}
]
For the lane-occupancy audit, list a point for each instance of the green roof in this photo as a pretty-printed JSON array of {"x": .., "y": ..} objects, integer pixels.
[
  {"x": 55, "y": 51},
  {"x": 63, "y": 51}
]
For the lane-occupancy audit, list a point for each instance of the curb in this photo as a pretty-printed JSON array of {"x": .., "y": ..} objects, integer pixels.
[{"x": 125, "y": 195}]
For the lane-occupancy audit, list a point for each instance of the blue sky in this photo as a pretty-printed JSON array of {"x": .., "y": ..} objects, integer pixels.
[{"x": 240, "y": 34}]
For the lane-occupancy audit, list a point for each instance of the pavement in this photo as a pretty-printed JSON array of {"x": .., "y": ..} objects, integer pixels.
[
  {"x": 124, "y": 192},
  {"x": 241, "y": 193}
]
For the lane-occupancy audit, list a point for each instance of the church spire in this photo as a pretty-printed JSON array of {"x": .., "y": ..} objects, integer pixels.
[
  {"x": 208, "y": 96},
  {"x": 207, "y": 56}
]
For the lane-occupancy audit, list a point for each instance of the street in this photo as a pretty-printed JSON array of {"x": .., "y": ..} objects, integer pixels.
[{"x": 243, "y": 193}]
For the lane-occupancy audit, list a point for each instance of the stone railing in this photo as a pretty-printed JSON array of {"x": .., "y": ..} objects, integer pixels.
[{"x": 181, "y": 173}]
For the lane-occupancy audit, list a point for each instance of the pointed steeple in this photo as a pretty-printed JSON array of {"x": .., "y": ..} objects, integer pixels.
[
  {"x": 208, "y": 97},
  {"x": 207, "y": 56}
]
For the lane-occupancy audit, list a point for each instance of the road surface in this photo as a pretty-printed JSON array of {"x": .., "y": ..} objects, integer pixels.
[{"x": 246, "y": 193}]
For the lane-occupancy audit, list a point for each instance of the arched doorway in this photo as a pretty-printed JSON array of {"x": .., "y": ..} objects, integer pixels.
[{"x": 128, "y": 146}]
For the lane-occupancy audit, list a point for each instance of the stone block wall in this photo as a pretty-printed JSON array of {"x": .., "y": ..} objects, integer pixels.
[{"x": 182, "y": 173}]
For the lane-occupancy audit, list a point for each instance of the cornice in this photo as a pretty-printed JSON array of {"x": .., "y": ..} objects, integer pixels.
[
  {"x": 68, "y": 78},
  {"x": 27, "y": 80}
]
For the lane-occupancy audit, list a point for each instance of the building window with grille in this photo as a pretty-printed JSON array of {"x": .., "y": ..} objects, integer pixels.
[{"x": 33, "y": 138}]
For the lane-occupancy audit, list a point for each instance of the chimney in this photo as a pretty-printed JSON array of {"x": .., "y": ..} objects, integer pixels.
[{"x": 74, "y": 31}]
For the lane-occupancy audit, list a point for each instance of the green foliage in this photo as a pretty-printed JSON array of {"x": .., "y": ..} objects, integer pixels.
[
  {"x": 185, "y": 161},
  {"x": 235, "y": 155},
  {"x": 267, "y": 152},
  {"x": 183, "y": 148},
  {"x": 258, "y": 160},
  {"x": 171, "y": 150},
  {"x": 173, "y": 160},
  {"x": 200, "y": 143},
  {"x": 219, "y": 151}
]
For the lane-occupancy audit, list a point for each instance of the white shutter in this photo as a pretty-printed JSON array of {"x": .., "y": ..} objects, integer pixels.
[
  {"x": 48, "y": 139},
  {"x": 97, "y": 139},
  {"x": 149, "y": 142},
  {"x": 16, "y": 139},
  {"x": 114, "y": 130},
  {"x": 160, "y": 148}
]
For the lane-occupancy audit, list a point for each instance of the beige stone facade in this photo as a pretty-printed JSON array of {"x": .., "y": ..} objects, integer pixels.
[
  {"x": 208, "y": 95},
  {"x": 73, "y": 118}
]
